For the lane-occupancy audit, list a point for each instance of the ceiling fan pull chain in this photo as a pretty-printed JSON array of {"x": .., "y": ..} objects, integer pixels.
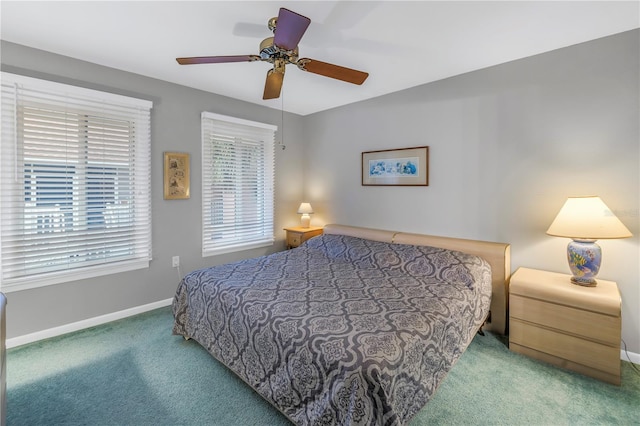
[{"x": 282, "y": 145}]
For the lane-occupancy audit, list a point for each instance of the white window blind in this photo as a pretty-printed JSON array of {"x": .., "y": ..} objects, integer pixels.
[
  {"x": 75, "y": 183},
  {"x": 237, "y": 184}
]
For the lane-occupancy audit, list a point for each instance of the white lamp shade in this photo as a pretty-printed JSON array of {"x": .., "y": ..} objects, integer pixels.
[
  {"x": 587, "y": 218},
  {"x": 305, "y": 208}
]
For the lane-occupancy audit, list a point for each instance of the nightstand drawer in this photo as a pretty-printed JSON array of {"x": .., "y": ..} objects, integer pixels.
[
  {"x": 298, "y": 235},
  {"x": 590, "y": 325},
  {"x": 595, "y": 355},
  {"x": 293, "y": 239},
  {"x": 557, "y": 288}
]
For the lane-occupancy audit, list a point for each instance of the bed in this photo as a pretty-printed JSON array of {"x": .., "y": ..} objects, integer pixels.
[{"x": 357, "y": 326}]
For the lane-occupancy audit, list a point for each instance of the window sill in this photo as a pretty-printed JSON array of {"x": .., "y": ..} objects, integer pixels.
[
  {"x": 26, "y": 283},
  {"x": 235, "y": 248}
]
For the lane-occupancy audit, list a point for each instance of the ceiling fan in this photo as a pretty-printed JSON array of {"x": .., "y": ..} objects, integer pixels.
[{"x": 282, "y": 49}]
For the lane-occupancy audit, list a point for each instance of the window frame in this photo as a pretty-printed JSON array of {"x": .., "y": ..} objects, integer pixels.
[
  {"x": 22, "y": 179},
  {"x": 248, "y": 133}
]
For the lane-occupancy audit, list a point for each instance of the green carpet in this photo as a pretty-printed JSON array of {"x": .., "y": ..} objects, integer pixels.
[{"x": 134, "y": 372}]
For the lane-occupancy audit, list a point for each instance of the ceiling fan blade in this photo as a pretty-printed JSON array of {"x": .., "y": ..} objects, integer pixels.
[
  {"x": 273, "y": 85},
  {"x": 333, "y": 71},
  {"x": 289, "y": 29},
  {"x": 217, "y": 59}
]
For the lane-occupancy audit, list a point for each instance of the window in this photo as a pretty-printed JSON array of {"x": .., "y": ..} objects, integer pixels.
[
  {"x": 237, "y": 184},
  {"x": 75, "y": 183}
]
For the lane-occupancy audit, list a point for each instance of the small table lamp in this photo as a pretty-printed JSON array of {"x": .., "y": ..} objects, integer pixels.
[
  {"x": 305, "y": 210},
  {"x": 585, "y": 220}
]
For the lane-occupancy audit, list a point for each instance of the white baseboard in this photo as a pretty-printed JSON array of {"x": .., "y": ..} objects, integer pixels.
[
  {"x": 90, "y": 322},
  {"x": 630, "y": 356}
]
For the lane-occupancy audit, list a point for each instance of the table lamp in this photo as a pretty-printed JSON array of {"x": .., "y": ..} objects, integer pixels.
[
  {"x": 305, "y": 210},
  {"x": 585, "y": 220}
]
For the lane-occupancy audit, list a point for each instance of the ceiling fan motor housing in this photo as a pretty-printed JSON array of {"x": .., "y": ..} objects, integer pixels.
[
  {"x": 267, "y": 49},
  {"x": 270, "y": 52}
]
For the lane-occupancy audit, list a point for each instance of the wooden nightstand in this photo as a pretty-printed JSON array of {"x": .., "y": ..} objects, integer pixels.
[
  {"x": 298, "y": 235},
  {"x": 565, "y": 324}
]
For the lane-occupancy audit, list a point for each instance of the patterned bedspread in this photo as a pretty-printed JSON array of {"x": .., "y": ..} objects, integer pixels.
[{"x": 340, "y": 330}]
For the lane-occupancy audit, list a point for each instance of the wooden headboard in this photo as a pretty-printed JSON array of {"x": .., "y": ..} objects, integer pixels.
[{"x": 497, "y": 254}]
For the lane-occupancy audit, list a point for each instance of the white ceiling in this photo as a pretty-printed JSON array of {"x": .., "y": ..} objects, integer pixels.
[{"x": 400, "y": 44}]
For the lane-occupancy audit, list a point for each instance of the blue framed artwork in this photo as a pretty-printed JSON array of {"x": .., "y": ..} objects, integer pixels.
[{"x": 397, "y": 167}]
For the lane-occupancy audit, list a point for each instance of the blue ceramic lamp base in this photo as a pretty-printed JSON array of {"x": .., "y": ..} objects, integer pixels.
[{"x": 584, "y": 258}]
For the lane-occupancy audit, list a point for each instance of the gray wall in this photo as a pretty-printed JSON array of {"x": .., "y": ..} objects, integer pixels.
[
  {"x": 508, "y": 145},
  {"x": 176, "y": 224}
]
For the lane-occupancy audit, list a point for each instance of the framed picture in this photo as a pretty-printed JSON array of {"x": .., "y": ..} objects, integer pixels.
[
  {"x": 399, "y": 167},
  {"x": 176, "y": 176}
]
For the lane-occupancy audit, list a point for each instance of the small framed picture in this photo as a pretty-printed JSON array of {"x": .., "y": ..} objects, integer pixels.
[
  {"x": 176, "y": 176},
  {"x": 396, "y": 167}
]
